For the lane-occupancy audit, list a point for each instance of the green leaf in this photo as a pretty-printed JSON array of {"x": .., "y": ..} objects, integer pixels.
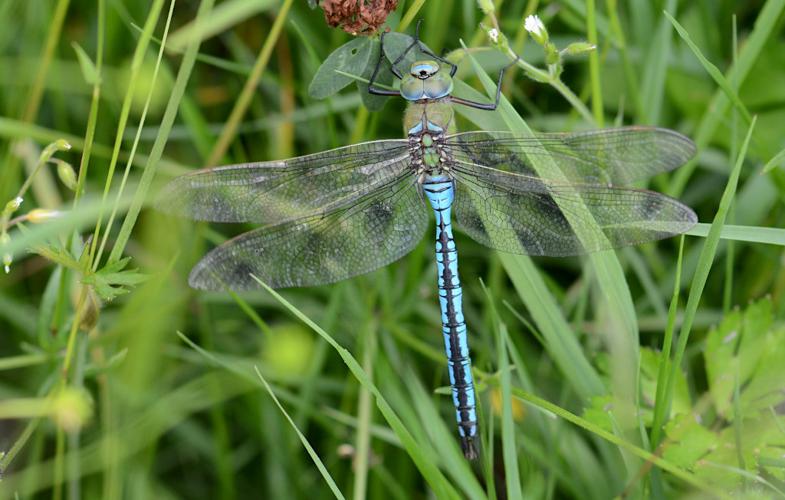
[
  {"x": 111, "y": 280},
  {"x": 689, "y": 441},
  {"x": 599, "y": 412},
  {"x": 58, "y": 255},
  {"x": 385, "y": 78},
  {"x": 394, "y": 45},
  {"x": 351, "y": 58},
  {"x": 721, "y": 363},
  {"x": 89, "y": 71}
]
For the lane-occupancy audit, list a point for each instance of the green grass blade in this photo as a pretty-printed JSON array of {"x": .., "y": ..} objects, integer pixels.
[
  {"x": 704, "y": 266},
  {"x": 244, "y": 99},
  {"x": 316, "y": 460},
  {"x": 751, "y": 234},
  {"x": 711, "y": 69},
  {"x": 765, "y": 25},
  {"x": 170, "y": 114},
  {"x": 776, "y": 161},
  {"x": 222, "y": 18},
  {"x": 509, "y": 448},
  {"x": 655, "y": 69},
  {"x": 429, "y": 470}
]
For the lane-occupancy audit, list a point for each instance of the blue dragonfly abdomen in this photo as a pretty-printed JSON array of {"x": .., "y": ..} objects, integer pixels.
[{"x": 440, "y": 191}]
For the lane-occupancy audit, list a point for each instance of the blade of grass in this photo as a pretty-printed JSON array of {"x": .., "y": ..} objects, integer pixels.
[
  {"x": 509, "y": 449},
  {"x": 170, "y": 114},
  {"x": 594, "y": 63},
  {"x": 776, "y": 161},
  {"x": 711, "y": 69},
  {"x": 36, "y": 92},
  {"x": 92, "y": 119},
  {"x": 222, "y": 18},
  {"x": 751, "y": 234},
  {"x": 364, "y": 414},
  {"x": 621, "y": 42},
  {"x": 249, "y": 89},
  {"x": 136, "y": 64},
  {"x": 429, "y": 470},
  {"x": 655, "y": 70},
  {"x": 765, "y": 24},
  {"x": 698, "y": 283},
  {"x": 442, "y": 440},
  {"x": 314, "y": 456},
  {"x": 660, "y": 462},
  {"x": 135, "y": 144}
]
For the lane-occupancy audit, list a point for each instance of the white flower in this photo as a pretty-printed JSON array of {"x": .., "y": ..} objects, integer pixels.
[
  {"x": 534, "y": 25},
  {"x": 493, "y": 34},
  {"x": 17, "y": 202}
]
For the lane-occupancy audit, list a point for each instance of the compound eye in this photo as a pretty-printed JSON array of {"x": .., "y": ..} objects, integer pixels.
[{"x": 424, "y": 69}]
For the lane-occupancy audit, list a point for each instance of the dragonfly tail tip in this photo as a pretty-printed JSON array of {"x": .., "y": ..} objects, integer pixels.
[{"x": 469, "y": 448}]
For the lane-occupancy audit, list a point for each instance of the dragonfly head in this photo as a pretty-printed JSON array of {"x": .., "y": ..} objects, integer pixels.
[
  {"x": 424, "y": 69},
  {"x": 425, "y": 81}
]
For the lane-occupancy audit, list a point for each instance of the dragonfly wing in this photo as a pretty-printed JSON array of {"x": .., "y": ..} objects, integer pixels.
[
  {"x": 528, "y": 215},
  {"x": 607, "y": 156},
  {"x": 378, "y": 229},
  {"x": 276, "y": 191}
]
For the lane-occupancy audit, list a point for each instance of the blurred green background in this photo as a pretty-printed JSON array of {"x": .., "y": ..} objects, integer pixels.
[{"x": 649, "y": 372}]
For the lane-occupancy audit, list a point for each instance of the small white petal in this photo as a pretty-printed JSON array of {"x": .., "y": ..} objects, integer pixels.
[
  {"x": 18, "y": 201},
  {"x": 493, "y": 34},
  {"x": 533, "y": 24}
]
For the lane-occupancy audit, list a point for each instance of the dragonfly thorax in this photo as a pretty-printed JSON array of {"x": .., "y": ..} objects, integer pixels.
[{"x": 430, "y": 157}]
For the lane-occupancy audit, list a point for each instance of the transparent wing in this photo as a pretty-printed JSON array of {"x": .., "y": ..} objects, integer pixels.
[
  {"x": 608, "y": 156},
  {"x": 276, "y": 191},
  {"x": 527, "y": 215},
  {"x": 378, "y": 229}
]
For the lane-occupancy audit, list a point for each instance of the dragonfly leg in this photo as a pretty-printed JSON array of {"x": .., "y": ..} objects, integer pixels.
[
  {"x": 377, "y": 91},
  {"x": 426, "y": 50},
  {"x": 440, "y": 191},
  {"x": 489, "y": 106}
]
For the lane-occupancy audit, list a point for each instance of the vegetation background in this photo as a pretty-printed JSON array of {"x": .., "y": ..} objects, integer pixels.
[{"x": 648, "y": 372}]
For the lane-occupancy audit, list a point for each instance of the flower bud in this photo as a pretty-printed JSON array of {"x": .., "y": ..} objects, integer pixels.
[
  {"x": 536, "y": 28},
  {"x": 66, "y": 174},
  {"x": 71, "y": 409},
  {"x": 12, "y": 205},
  {"x": 578, "y": 48},
  {"x": 39, "y": 215},
  {"x": 493, "y": 34}
]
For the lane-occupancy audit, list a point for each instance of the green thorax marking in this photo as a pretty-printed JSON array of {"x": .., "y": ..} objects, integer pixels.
[{"x": 437, "y": 112}]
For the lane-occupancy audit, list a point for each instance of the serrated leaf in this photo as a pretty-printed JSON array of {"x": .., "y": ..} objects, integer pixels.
[
  {"x": 598, "y": 412},
  {"x": 756, "y": 325},
  {"x": 58, "y": 255},
  {"x": 111, "y": 280},
  {"x": 766, "y": 386},
  {"x": 720, "y": 360},
  {"x": 351, "y": 58},
  {"x": 89, "y": 71},
  {"x": 649, "y": 366},
  {"x": 689, "y": 441}
]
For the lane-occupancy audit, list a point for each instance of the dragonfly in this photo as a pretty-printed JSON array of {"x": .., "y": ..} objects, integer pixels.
[{"x": 336, "y": 214}]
